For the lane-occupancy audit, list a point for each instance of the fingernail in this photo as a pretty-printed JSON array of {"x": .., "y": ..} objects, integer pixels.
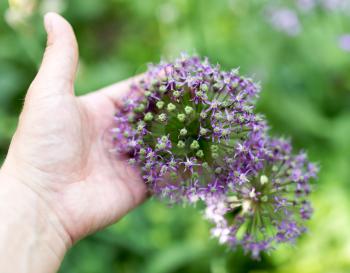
[{"x": 48, "y": 22}]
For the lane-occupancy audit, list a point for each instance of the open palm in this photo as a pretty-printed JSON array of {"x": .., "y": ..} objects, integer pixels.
[{"x": 62, "y": 147}]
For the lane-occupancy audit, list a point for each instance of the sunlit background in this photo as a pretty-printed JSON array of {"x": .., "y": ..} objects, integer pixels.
[{"x": 300, "y": 52}]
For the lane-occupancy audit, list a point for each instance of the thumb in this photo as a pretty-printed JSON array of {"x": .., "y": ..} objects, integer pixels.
[{"x": 58, "y": 68}]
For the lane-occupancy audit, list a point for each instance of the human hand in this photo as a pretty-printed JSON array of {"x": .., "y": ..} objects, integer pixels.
[{"x": 60, "y": 151}]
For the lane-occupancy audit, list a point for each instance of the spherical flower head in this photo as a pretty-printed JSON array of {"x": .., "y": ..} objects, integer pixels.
[
  {"x": 192, "y": 116},
  {"x": 195, "y": 136},
  {"x": 268, "y": 203}
]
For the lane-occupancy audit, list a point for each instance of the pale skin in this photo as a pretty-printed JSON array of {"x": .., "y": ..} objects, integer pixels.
[{"x": 60, "y": 181}]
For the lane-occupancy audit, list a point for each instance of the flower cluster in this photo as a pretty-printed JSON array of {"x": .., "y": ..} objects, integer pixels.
[
  {"x": 196, "y": 137},
  {"x": 184, "y": 131},
  {"x": 269, "y": 204}
]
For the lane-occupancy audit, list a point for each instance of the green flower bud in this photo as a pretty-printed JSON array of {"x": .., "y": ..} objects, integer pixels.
[
  {"x": 199, "y": 94},
  {"x": 264, "y": 179},
  {"x": 161, "y": 146},
  {"x": 132, "y": 161},
  {"x": 149, "y": 179},
  {"x": 247, "y": 109},
  {"x": 216, "y": 130},
  {"x": 148, "y": 117},
  {"x": 183, "y": 132},
  {"x": 188, "y": 110},
  {"x": 176, "y": 94},
  {"x": 200, "y": 153},
  {"x": 225, "y": 132},
  {"x": 171, "y": 107},
  {"x": 204, "y": 87},
  {"x": 181, "y": 144},
  {"x": 140, "y": 125},
  {"x": 215, "y": 155},
  {"x": 205, "y": 165},
  {"x": 218, "y": 170},
  {"x": 162, "y": 89},
  {"x": 241, "y": 119},
  {"x": 229, "y": 160},
  {"x": 194, "y": 145},
  {"x": 140, "y": 141},
  {"x": 154, "y": 82},
  {"x": 203, "y": 115},
  {"x": 163, "y": 78},
  {"x": 264, "y": 198},
  {"x": 218, "y": 115},
  {"x": 140, "y": 108},
  {"x": 217, "y": 86},
  {"x": 234, "y": 85},
  {"x": 181, "y": 117},
  {"x": 160, "y": 104},
  {"x": 164, "y": 138},
  {"x": 232, "y": 199},
  {"x": 147, "y": 93},
  {"x": 203, "y": 131},
  {"x": 162, "y": 117},
  {"x": 142, "y": 151},
  {"x": 226, "y": 103},
  {"x": 214, "y": 148},
  {"x": 131, "y": 117}
]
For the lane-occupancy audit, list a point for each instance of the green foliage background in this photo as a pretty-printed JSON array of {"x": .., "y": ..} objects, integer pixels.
[{"x": 306, "y": 94}]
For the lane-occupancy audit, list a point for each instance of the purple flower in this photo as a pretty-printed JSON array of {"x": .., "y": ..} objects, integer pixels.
[
  {"x": 196, "y": 138},
  {"x": 270, "y": 205},
  {"x": 193, "y": 115},
  {"x": 255, "y": 247}
]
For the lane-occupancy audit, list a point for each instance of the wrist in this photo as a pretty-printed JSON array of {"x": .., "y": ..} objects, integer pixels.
[{"x": 30, "y": 233}]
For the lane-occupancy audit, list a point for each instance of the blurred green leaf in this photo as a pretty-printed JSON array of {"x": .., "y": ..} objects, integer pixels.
[{"x": 175, "y": 257}]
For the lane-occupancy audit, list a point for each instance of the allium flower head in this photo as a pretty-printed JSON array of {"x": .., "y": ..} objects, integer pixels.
[
  {"x": 195, "y": 136},
  {"x": 185, "y": 129},
  {"x": 270, "y": 205}
]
